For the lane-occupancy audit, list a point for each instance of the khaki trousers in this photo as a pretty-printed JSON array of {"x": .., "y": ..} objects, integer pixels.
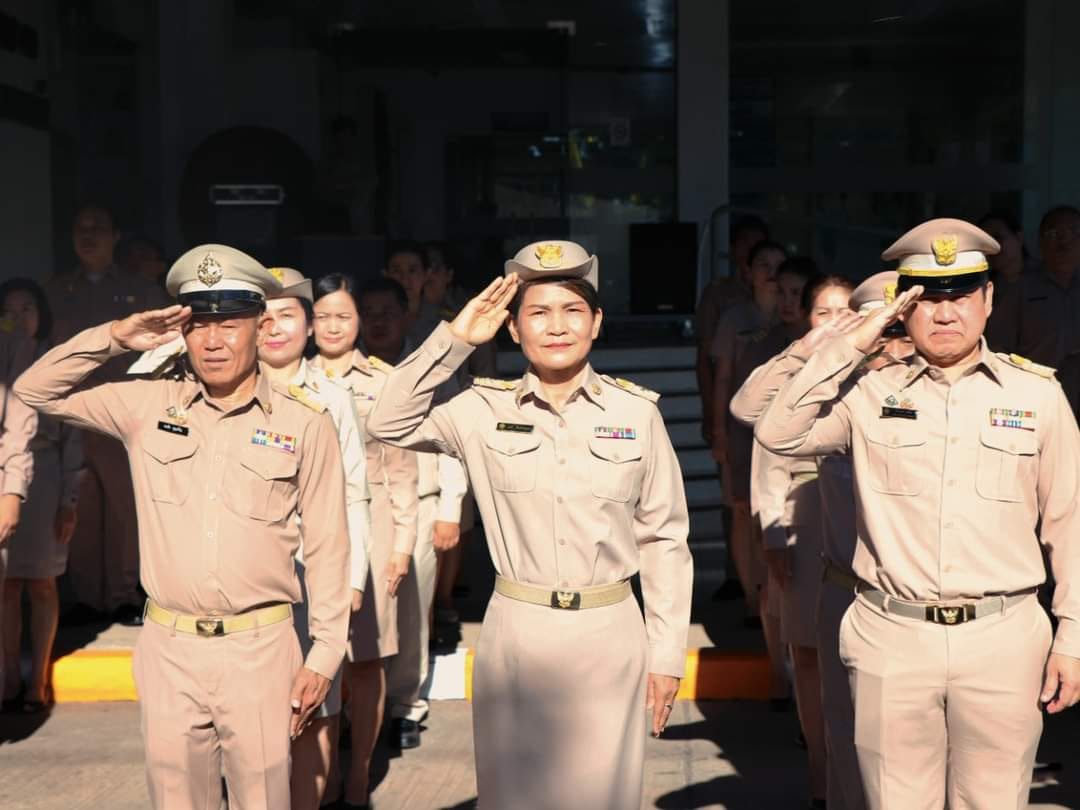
[
  {"x": 407, "y": 671},
  {"x": 559, "y": 707},
  {"x": 214, "y": 705},
  {"x": 103, "y": 565},
  {"x": 845, "y": 790},
  {"x": 946, "y": 712}
]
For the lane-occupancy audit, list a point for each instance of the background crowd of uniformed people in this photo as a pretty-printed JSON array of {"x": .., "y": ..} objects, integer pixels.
[{"x": 76, "y": 519}]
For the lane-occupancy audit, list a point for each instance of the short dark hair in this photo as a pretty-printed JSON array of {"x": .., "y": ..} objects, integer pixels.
[
  {"x": 41, "y": 301},
  {"x": 448, "y": 253},
  {"x": 800, "y": 266},
  {"x": 382, "y": 285},
  {"x": 1055, "y": 211},
  {"x": 745, "y": 224},
  {"x": 761, "y": 247},
  {"x": 400, "y": 246},
  {"x": 332, "y": 283},
  {"x": 821, "y": 282},
  {"x": 97, "y": 205},
  {"x": 579, "y": 286}
]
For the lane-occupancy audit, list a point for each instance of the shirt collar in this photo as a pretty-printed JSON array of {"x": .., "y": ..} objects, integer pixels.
[
  {"x": 591, "y": 387},
  {"x": 987, "y": 362},
  {"x": 193, "y": 388}
]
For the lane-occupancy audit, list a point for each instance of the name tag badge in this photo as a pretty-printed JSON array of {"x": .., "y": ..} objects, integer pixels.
[
  {"x": 615, "y": 433},
  {"x": 276, "y": 441},
  {"x": 514, "y": 427},
  {"x": 898, "y": 413},
  {"x": 169, "y": 427}
]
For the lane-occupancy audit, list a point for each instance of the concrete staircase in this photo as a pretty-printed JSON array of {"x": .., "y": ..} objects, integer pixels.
[{"x": 669, "y": 370}]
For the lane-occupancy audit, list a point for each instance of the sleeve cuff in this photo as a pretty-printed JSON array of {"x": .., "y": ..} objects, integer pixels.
[
  {"x": 1067, "y": 639},
  {"x": 449, "y": 510},
  {"x": 324, "y": 660},
  {"x": 667, "y": 661},
  {"x": 445, "y": 349},
  {"x": 404, "y": 542},
  {"x": 15, "y": 484}
]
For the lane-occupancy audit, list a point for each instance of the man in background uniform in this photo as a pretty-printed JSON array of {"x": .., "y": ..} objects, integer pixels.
[
  {"x": 959, "y": 454},
  {"x": 224, "y": 465},
  {"x": 103, "y": 567}
]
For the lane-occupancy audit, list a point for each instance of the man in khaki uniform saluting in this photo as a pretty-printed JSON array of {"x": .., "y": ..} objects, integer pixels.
[
  {"x": 223, "y": 463},
  {"x": 959, "y": 454}
]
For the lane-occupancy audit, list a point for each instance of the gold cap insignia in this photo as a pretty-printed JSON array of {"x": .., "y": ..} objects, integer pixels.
[
  {"x": 549, "y": 255},
  {"x": 889, "y": 293},
  {"x": 209, "y": 271},
  {"x": 945, "y": 248},
  {"x": 277, "y": 273}
]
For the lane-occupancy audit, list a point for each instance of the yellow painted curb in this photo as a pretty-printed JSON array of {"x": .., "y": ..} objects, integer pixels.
[{"x": 105, "y": 675}]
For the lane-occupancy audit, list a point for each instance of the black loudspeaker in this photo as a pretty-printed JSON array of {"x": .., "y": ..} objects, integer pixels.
[{"x": 663, "y": 268}]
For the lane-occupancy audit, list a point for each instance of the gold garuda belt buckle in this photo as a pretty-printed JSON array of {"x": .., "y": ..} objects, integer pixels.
[
  {"x": 210, "y": 627},
  {"x": 950, "y": 615},
  {"x": 566, "y": 600}
]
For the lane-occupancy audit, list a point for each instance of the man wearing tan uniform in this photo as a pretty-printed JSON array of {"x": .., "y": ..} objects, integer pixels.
[
  {"x": 223, "y": 465},
  {"x": 958, "y": 456},
  {"x": 103, "y": 569}
]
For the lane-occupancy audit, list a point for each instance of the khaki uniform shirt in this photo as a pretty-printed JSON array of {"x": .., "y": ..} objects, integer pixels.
[
  {"x": 18, "y": 421},
  {"x": 586, "y": 496},
  {"x": 217, "y": 494},
  {"x": 351, "y": 440},
  {"x": 1048, "y": 321},
  {"x": 947, "y": 502},
  {"x": 717, "y": 297},
  {"x": 391, "y": 467}
]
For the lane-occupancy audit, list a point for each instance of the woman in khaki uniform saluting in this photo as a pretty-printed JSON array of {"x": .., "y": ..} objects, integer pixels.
[{"x": 579, "y": 489}]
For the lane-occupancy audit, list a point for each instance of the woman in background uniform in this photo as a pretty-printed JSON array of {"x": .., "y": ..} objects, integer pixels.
[
  {"x": 38, "y": 551},
  {"x": 579, "y": 488}
]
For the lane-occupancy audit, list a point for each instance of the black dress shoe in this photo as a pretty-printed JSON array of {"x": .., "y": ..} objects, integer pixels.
[{"x": 404, "y": 733}]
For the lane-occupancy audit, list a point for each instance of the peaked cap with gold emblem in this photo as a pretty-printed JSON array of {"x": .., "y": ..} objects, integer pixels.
[
  {"x": 294, "y": 284},
  {"x": 945, "y": 256},
  {"x": 555, "y": 259},
  {"x": 220, "y": 279}
]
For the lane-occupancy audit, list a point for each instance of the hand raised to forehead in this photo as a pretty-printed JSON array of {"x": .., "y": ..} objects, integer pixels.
[
  {"x": 147, "y": 330},
  {"x": 865, "y": 332},
  {"x": 482, "y": 317},
  {"x": 812, "y": 340}
]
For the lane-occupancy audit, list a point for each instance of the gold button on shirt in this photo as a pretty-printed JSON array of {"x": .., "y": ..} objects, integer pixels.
[
  {"x": 951, "y": 480},
  {"x": 588, "y": 496},
  {"x": 218, "y": 494}
]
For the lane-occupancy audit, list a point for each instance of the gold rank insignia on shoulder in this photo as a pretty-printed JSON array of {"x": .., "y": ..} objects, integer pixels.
[
  {"x": 381, "y": 365},
  {"x": 631, "y": 388},
  {"x": 1022, "y": 363},
  {"x": 498, "y": 385},
  {"x": 300, "y": 395}
]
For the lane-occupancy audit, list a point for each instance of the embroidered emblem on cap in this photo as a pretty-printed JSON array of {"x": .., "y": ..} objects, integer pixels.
[
  {"x": 945, "y": 248},
  {"x": 549, "y": 255},
  {"x": 277, "y": 273},
  {"x": 277, "y": 441},
  {"x": 1012, "y": 418},
  {"x": 209, "y": 271},
  {"x": 615, "y": 433},
  {"x": 889, "y": 293}
]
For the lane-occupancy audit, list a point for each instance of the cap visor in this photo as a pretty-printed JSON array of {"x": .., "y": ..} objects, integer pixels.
[
  {"x": 227, "y": 302},
  {"x": 944, "y": 285}
]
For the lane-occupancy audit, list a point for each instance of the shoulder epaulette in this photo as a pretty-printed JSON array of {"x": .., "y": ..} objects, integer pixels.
[
  {"x": 300, "y": 395},
  {"x": 631, "y": 387},
  {"x": 1022, "y": 363},
  {"x": 498, "y": 385},
  {"x": 381, "y": 365}
]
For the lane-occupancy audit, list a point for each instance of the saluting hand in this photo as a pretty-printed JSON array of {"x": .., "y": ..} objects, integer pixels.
[
  {"x": 1061, "y": 688},
  {"x": 144, "y": 331},
  {"x": 866, "y": 331},
  {"x": 660, "y": 699},
  {"x": 809, "y": 343},
  {"x": 482, "y": 317}
]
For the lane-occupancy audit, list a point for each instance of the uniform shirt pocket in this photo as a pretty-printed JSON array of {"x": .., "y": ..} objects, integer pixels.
[
  {"x": 512, "y": 460},
  {"x": 1004, "y": 463},
  {"x": 263, "y": 486},
  {"x": 895, "y": 456},
  {"x": 614, "y": 467},
  {"x": 169, "y": 460}
]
